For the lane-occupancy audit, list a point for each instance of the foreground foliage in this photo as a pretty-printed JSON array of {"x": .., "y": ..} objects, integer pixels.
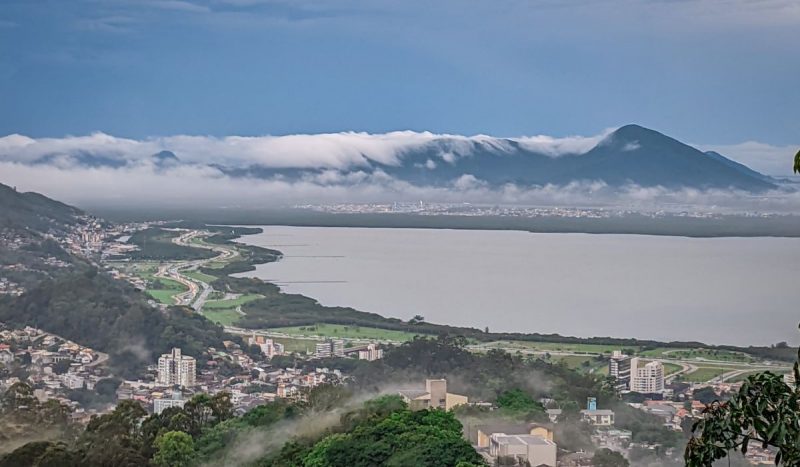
[{"x": 766, "y": 411}]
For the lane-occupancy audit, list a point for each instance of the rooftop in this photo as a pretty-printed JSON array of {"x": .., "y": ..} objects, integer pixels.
[{"x": 521, "y": 440}]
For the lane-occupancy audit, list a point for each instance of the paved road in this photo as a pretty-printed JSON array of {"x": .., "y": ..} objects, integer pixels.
[{"x": 198, "y": 291}]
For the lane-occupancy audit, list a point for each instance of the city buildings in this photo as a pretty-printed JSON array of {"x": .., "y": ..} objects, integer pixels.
[
  {"x": 619, "y": 366},
  {"x": 647, "y": 378},
  {"x": 268, "y": 347},
  {"x": 176, "y": 369},
  {"x": 435, "y": 395}
]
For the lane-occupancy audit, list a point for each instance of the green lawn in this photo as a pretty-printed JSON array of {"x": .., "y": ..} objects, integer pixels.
[
  {"x": 703, "y": 374},
  {"x": 199, "y": 276},
  {"x": 743, "y": 376},
  {"x": 166, "y": 293},
  {"x": 693, "y": 354},
  {"x": 220, "y": 304},
  {"x": 224, "y": 317},
  {"x": 296, "y": 345},
  {"x": 557, "y": 347},
  {"x": 670, "y": 368},
  {"x": 350, "y": 332},
  {"x": 164, "y": 296}
]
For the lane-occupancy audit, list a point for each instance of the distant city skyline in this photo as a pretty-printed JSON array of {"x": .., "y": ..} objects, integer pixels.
[{"x": 709, "y": 73}]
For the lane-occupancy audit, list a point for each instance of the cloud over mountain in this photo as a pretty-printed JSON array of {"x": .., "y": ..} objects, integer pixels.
[{"x": 631, "y": 165}]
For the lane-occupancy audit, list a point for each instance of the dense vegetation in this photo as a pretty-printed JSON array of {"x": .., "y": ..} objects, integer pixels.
[
  {"x": 382, "y": 431},
  {"x": 765, "y": 410},
  {"x": 91, "y": 308},
  {"x": 157, "y": 244}
]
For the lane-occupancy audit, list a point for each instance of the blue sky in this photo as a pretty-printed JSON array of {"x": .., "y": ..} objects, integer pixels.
[{"x": 706, "y": 72}]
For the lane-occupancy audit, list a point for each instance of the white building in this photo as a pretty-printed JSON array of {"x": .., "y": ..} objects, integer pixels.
[
  {"x": 159, "y": 405},
  {"x": 6, "y": 356},
  {"x": 533, "y": 449},
  {"x": 268, "y": 347},
  {"x": 176, "y": 369},
  {"x": 330, "y": 348},
  {"x": 619, "y": 366},
  {"x": 72, "y": 381},
  {"x": 598, "y": 417},
  {"x": 371, "y": 353},
  {"x": 648, "y": 378}
]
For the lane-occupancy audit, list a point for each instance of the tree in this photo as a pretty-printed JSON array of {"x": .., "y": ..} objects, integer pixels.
[
  {"x": 766, "y": 410},
  {"x": 174, "y": 449},
  {"x": 417, "y": 319},
  {"x": 797, "y": 162},
  {"x": 608, "y": 458},
  {"x": 520, "y": 402}
]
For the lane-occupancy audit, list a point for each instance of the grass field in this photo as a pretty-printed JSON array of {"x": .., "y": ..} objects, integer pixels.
[
  {"x": 224, "y": 317},
  {"x": 693, "y": 354},
  {"x": 349, "y": 332},
  {"x": 670, "y": 368},
  {"x": 703, "y": 374},
  {"x": 221, "y": 304},
  {"x": 199, "y": 276},
  {"x": 556, "y": 347},
  {"x": 296, "y": 345},
  {"x": 743, "y": 376},
  {"x": 167, "y": 293}
]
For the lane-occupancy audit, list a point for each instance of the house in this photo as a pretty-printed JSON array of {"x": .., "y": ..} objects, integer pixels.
[
  {"x": 553, "y": 414},
  {"x": 6, "y": 356},
  {"x": 435, "y": 396},
  {"x": 530, "y": 449},
  {"x": 598, "y": 417},
  {"x": 480, "y": 435}
]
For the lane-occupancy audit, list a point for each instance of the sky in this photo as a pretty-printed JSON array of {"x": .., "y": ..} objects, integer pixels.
[{"x": 714, "y": 73}]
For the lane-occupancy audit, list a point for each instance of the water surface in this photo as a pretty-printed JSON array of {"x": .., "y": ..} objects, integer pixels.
[{"x": 716, "y": 290}]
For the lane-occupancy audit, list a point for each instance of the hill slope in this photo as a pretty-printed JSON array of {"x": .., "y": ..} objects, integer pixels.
[
  {"x": 630, "y": 155},
  {"x": 33, "y": 211}
]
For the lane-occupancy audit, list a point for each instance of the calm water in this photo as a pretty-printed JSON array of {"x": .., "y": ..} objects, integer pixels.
[{"x": 720, "y": 290}]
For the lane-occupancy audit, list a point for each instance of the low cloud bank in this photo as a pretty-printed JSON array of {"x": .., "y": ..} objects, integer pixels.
[{"x": 204, "y": 186}]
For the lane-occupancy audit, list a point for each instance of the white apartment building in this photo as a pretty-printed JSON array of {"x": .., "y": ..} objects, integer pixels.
[
  {"x": 330, "y": 348},
  {"x": 647, "y": 378},
  {"x": 72, "y": 381},
  {"x": 371, "y": 353},
  {"x": 619, "y": 366},
  {"x": 176, "y": 369},
  {"x": 268, "y": 347},
  {"x": 159, "y": 405}
]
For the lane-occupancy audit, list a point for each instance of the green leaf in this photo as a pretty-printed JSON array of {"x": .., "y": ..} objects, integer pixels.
[{"x": 797, "y": 162}]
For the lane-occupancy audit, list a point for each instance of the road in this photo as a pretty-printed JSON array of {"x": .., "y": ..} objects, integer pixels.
[{"x": 197, "y": 291}]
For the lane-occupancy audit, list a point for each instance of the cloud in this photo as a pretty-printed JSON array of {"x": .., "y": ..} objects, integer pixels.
[
  {"x": 765, "y": 158},
  {"x": 146, "y": 185},
  {"x": 180, "y": 5},
  {"x": 104, "y": 170},
  {"x": 560, "y": 146},
  {"x": 329, "y": 150}
]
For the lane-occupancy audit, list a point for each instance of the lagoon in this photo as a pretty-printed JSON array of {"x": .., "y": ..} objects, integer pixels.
[{"x": 738, "y": 291}]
